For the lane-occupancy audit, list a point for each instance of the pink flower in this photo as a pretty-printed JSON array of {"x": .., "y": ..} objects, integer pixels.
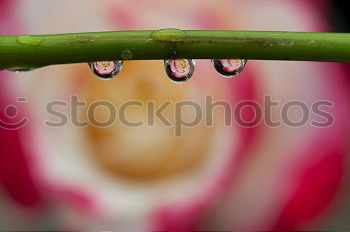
[
  {"x": 180, "y": 68},
  {"x": 231, "y": 65},
  {"x": 145, "y": 178}
]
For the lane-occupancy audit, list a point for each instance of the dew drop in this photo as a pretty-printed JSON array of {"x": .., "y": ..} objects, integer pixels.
[
  {"x": 106, "y": 70},
  {"x": 229, "y": 68},
  {"x": 21, "y": 70},
  {"x": 126, "y": 54},
  {"x": 29, "y": 40},
  {"x": 179, "y": 70},
  {"x": 168, "y": 34}
]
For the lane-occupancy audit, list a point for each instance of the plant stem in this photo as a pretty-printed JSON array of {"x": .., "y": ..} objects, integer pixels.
[{"x": 40, "y": 50}]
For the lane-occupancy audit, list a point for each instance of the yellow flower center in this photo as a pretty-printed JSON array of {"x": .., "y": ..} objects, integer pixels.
[
  {"x": 182, "y": 64},
  {"x": 105, "y": 64}
]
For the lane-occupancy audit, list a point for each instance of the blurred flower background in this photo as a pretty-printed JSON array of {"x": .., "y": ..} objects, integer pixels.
[{"x": 212, "y": 178}]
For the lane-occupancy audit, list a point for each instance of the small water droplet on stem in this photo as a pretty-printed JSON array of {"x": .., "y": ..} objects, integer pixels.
[
  {"x": 126, "y": 54},
  {"x": 21, "y": 70},
  {"x": 29, "y": 40},
  {"x": 169, "y": 34}
]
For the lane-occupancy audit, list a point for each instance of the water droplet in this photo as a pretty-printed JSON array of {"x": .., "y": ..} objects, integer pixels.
[
  {"x": 106, "y": 70},
  {"x": 20, "y": 70},
  {"x": 230, "y": 67},
  {"x": 29, "y": 40},
  {"x": 126, "y": 54},
  {"x": 179, "y": 70},
  {"x": 168, "y": 34}
]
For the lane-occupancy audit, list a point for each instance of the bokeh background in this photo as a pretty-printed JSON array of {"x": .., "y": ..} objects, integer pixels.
[{"x": 216, "y": 178}]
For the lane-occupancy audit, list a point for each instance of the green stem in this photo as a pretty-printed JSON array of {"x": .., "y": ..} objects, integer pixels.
[{"x": 41, "y": 50}]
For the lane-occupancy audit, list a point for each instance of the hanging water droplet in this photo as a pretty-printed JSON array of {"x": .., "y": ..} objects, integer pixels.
[
  {"x": 106, "y": 70},
  {"x": 229, "y": 68},
  {"x": 179, "y": 70}
]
